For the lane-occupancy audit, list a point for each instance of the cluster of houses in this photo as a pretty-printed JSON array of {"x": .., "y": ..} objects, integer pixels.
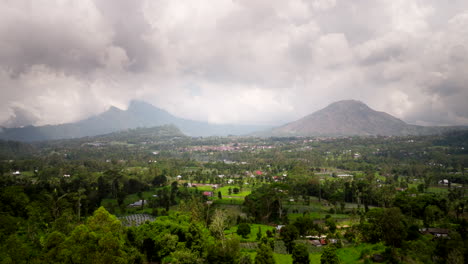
[{"x": 232, "y": 147}]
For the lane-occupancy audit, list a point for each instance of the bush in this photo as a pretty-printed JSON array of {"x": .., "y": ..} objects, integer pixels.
[
  {"x": 329, "y": 256},
  {"x": 243, "y": 230},
  {"x": 300, "y": 254}
]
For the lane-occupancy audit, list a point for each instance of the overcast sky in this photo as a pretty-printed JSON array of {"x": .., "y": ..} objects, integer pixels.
[{"x": 233, "y": 61}]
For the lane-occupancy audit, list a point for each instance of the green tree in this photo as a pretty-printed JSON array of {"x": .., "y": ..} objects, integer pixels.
[
  {"x": 289, "y": 233},
  {"x": 432, "y": 214},
  {"x": 100, "y": 240},
  {"x": 184, "y": 256},
  {"x": 393, "y": 227},
  {"x": 259, "y": 233},
  {"x": 243, "y": 230},
  {"x": 329, "y": 256},
  {"x": 224, "y": 251},
  {"x": 300, "y": 254},
  {"x": 371, "y": 229},
  {"x": 159, "y": 180},
  {"x": 218, "y": 224},
  {"x": 264, "y": 255},
  {"x": 330, "y": 223},
  {"x": 266, "y": 202},
  {"x": 245, "y": 259}
]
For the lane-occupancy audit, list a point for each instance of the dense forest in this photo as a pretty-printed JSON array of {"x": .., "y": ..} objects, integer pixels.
[{"x": 153, "y": 195}]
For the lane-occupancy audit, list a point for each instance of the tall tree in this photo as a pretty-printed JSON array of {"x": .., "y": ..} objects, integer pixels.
[
  {"x": 300, "y": 254},
  {"x": 289, "y": 233},
  {"x": 264, "y": 255},
  {"x": 329, "y": 256}
]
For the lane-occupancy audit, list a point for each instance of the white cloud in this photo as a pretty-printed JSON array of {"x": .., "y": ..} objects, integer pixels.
[{"x": 244, "y": 61}]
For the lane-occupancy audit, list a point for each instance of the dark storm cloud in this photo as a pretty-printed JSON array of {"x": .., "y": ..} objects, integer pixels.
[
  {"x": 262, "y": 61},
  {"x": 20, "y": 117},
  {"x": 52, "y": 43},
  {"x": 130, "y": 28}
]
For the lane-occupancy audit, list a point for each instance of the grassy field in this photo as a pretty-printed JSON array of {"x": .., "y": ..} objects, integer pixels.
[
  {"x": 225, "y": 191},
  {"x": 347, "y": 255},
  {"x": 350, "y": 255},
  {"x": 282, "y": 258},
  {"x": 437, "y": 189},
  {"x": 253, "y": 232},
  {"x": 227, "y": 201},
  {"x": 315, "y": 210},
  {"x": 317, "y": 215}
]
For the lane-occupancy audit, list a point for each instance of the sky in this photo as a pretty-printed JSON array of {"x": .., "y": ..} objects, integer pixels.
[{"x": 262, "y": 62}]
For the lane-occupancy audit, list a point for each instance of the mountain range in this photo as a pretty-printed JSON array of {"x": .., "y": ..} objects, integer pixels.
[
  {"x": 343, "y": 118},
  {"x": 138, "y": 114}
]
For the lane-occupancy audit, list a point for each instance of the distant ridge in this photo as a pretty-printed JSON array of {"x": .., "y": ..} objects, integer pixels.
[
  {"x": 352, "y": 118},
  {"x": 138, "y": 114}
]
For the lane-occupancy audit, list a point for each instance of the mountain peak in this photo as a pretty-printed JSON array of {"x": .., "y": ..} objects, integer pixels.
[
  {"x": 137, "y": 104},
  {"x": 345, "y": 118},
  {"x": 349, "y": 104},
  {"x": 114, "y": 109}
]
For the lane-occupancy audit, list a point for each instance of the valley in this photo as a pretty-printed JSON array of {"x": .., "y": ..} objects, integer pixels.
[{"x": 295, "y": 194}]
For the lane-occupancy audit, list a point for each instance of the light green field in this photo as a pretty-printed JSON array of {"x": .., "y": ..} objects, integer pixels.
[
  {"x": 282, "y": 258},
  {"x": 317, "y": 216},
  {"x": 435, "y": 189},
  {"x": 228, "y": 201},
  {"x": 253, "y": 232},
  {"x": 225, "y": 191}
]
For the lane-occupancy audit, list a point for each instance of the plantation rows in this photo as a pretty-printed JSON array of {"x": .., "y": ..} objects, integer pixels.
[{"x": 136, "y": 219}]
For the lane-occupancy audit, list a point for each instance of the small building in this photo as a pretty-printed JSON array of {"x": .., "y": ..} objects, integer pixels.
[
  {"x": 16, "y": 173},
  {"x": 344, "y": 175},
  {"x": 315, "y": 242},
  {"x": 444, "y": 181},
  {"x": 138, "y": 203},
  {"x": 209, "y": 194},
  {"x": 436, "y": 232}
]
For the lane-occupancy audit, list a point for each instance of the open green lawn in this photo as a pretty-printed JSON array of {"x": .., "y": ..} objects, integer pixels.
[
  {"x": 287, "y": 259},
  {"x": 317, "y": 215},
  {"x": 282, "y": 258},
  {"x": 225, "y": 190},
  {"x": 436, "y": 189},
  {"x": 253, "y": 232},
  {"x": 350, "y": 255},
  {"x": 228, "y": 201}
]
